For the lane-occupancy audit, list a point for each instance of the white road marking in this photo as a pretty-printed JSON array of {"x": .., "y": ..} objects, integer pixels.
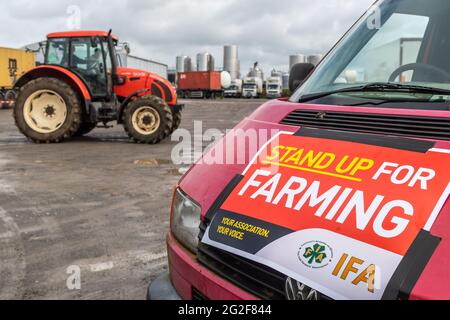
[
  {"x": 148, "y": 256},
  {"x": 100, "y": 267}
]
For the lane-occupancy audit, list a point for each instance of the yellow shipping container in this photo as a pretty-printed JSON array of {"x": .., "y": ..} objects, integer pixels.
[{"x": 13, "y": 64}]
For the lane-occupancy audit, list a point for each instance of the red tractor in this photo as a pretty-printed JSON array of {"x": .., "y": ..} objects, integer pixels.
[{"x": 81, "y": 85}]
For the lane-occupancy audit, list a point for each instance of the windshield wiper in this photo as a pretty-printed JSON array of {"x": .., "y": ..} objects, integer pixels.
[{"x": 378, "y": 87}]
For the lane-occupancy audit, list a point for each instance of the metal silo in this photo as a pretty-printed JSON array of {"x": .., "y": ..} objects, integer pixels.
[
  {"x": 205, "y": 62},
  {"x": 184, "y": 64},
  {"x": 211, "y": 63},
  {"x": 231, "y": 61},
  {"x": 315, "y": 58},
  {"x": 296, "y": 58},
  {"x": 285, "y": 78},
  {"x": 180, "y": 63},
  {"x": 188, "y": 65}
]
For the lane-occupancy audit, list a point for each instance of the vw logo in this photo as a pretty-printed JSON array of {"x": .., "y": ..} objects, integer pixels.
[
  {"x": 321, "y": 115},
  {"x": 300, "y": 292}
]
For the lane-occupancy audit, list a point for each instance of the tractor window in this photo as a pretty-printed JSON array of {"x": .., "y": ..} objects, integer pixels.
[
  {"x": 108, "y": 60},
  {"x": 58, "y": 52},
  {"x": 109, "y": 65},
  {"x": 87, "y": 61}
]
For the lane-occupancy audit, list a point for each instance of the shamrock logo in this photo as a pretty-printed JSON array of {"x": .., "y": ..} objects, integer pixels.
[{"x": 316, "y": 254}]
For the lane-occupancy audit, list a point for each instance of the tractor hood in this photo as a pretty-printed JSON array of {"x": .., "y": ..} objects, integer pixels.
[
  {"x": 136, "y": 73},
  {"x": 329, "y": 208},
  {"x": 136, "y": 80}
]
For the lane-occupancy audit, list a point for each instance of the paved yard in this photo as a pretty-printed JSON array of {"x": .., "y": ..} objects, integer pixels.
[{"x": 98, "y": 203}]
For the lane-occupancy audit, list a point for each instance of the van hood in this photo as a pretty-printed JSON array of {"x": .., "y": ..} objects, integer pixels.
[{"x": 205, "y": 182}]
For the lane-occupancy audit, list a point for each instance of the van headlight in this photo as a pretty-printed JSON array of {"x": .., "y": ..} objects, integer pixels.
[{"x": 185, "y": 220}]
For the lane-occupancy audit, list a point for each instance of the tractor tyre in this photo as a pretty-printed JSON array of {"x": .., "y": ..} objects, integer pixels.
[
  {"x": 148, "y": 120},
  {"x": 85, "y": 128},
  {"x": 47, "y": 111},
  {"x": 176, "y": 121},
  {"x": 10, "y": 98},
  {"x": 2, "y": 101}
]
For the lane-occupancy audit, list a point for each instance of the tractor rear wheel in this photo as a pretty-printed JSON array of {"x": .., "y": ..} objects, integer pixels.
[
  {"x": 148, "y": 120},
  {"x": 85, "y": 128},
  {"x": 47, "y": 110}
]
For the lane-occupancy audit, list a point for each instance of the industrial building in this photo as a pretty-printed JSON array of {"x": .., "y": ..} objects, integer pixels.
[
  {"x": 134, "y": 62},
  {"x": 39, "y": 50}
]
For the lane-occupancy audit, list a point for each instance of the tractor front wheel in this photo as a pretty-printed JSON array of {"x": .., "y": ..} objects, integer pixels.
[
  {"x": 148, "y": 120},
  {"x": 47, "y": 110},
  {"x": 176, "y": 121}
]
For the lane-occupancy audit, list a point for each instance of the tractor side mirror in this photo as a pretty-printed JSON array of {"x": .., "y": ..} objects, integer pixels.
[
  {"x": 127, "y": 48},
  {"x": 94, "y": 42},
  {"x": 298, "y": 75},
  {"x": 119, "y": 80}
]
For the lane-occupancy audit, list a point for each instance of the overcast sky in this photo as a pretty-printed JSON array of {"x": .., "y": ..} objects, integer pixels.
[{"x": 267, "y": 31}]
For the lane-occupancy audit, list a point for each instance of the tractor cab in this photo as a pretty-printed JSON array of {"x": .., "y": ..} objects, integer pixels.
[{"x": 90, "y": 55}]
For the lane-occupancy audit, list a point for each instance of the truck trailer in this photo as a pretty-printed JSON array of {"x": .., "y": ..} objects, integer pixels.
[
  {"x": 13, "y": 64},
  {"x": 203, "y": 84}
]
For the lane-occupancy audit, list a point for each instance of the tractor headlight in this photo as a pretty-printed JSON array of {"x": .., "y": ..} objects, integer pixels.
[{"x": 185, "y": 220}]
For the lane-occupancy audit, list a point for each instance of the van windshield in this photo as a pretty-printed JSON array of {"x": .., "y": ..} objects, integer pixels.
[{"x": 402, "y": 42}]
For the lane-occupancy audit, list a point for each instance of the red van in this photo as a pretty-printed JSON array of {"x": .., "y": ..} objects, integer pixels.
[{"x": 347, "y": 195}]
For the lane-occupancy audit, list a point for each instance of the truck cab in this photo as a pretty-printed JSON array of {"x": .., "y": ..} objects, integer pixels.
[
  {"x": 235, "y": 89},
  {"x": 329, "y": 205},
  {"x": 252, "y": 87},
  {"x": 13, "y": 64},
  {"x": 274, "y": 87}
]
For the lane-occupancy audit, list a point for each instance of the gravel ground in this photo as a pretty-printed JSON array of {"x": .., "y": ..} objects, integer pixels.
[{"x": 98, "y": 203}]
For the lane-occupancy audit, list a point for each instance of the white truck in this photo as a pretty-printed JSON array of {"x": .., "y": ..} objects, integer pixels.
[
  {"x": 274, "y": 87},
  {"x": 235, "y": 89},
  {"x": 252, "y": 87}
]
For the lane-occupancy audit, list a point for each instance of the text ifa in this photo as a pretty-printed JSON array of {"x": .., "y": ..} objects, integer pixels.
[
  {"x": 338, "y": 203},
  {"x": 353, "y": 268}
]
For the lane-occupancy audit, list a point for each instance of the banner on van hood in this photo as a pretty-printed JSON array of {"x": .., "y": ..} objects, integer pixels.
[{"x": 337, "y": 216}]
